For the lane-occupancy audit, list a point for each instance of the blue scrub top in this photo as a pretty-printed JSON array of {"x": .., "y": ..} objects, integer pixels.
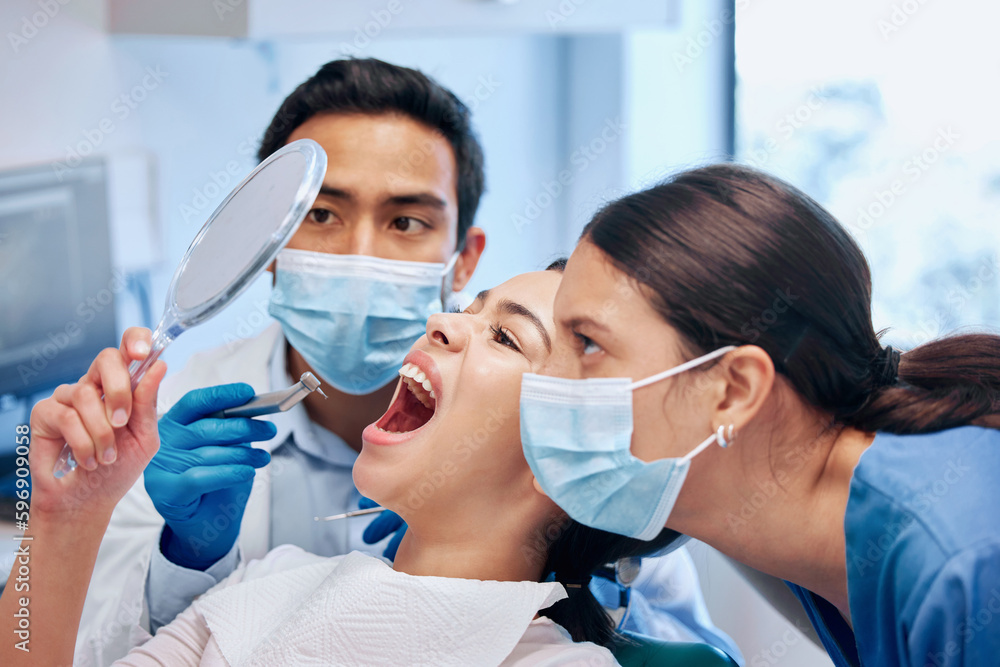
[{"x": 923, "y": 554}]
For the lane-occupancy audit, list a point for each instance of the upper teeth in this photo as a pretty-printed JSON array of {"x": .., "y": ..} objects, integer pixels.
[{"x": 414, "y": 373}]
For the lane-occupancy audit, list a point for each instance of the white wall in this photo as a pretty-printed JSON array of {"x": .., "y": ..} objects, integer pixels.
[{"x": 217, "y": 96}]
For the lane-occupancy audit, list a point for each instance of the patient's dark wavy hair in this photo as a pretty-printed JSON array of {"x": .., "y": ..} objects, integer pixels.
[{"x": 574, "y": 553}]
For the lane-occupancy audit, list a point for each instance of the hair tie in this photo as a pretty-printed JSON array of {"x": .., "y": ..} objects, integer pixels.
[{"x": 886, "y": 367}]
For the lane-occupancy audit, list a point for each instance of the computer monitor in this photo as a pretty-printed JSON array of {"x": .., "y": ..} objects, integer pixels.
[{"x": 57, "y": 287}]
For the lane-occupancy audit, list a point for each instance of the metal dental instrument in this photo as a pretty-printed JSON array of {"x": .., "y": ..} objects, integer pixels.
[
  {"x": 348, "y": 515},
  {"x": 276, "y": 401}
]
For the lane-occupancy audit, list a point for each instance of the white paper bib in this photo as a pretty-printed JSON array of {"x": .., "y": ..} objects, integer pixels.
[{"x": 356, "y": 610}]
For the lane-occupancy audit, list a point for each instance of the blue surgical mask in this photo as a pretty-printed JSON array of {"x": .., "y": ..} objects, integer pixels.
[
  {"x": 353, "y": 317},
  {"x": 577, "y": 436}
]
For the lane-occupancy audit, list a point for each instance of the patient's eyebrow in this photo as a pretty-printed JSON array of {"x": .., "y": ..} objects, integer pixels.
[
  {"x": 514, "y": 308},
  {"x": 482, "y": 296}
]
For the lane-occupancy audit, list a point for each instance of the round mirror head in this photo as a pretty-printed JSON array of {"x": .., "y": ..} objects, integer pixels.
[{"x": 245, "y": 233}]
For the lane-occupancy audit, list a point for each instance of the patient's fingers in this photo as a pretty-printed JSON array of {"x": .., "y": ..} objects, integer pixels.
[
  {"x": 57, "y": 418},
  {"x": 93, "y": 413},
  {"x": 136, "y": 342},
  {"x": 109, "y": 373}
]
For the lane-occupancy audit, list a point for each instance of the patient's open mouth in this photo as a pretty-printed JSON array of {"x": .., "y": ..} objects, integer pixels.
[{"x": 414, "y": 404}]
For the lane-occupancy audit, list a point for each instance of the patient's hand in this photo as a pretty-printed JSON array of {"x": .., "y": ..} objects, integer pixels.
[{"x": 112, "y": 439}]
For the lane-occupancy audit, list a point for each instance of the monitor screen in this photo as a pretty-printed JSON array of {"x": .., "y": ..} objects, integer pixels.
[{"x": 57, "y": 287}]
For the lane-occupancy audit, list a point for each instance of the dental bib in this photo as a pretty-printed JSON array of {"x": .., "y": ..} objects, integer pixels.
[{"x": 356, "y": 610}]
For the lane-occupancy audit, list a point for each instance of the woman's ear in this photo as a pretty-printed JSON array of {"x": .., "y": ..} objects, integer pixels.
[
  {"x": 538, "y": 487},
  {"x": 749, "y": 376}
]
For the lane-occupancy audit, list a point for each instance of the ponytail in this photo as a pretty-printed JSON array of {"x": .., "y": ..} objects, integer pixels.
[
  {"x": 950, "y": 382},
  {"x": 575, "y": 554}
]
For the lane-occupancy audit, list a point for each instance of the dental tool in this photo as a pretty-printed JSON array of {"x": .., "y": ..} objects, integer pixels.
[
  {"x": 348, "y": 515},
  {"x": 276, "y": 401}
]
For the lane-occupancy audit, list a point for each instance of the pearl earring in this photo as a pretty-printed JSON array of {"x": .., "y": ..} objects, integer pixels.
[{"x": 725, "y": 436}]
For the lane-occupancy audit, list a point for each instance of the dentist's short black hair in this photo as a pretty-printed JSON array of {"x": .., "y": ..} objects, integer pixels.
[{"x": 375, "y": 87}]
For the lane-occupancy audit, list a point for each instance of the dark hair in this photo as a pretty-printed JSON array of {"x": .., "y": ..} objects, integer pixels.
[
  {"x": 732, "y": 256},
  {"x": 370, "y": 86},
  {"x": 574, "y": 552},
  {"x": 573, "y": 556}
]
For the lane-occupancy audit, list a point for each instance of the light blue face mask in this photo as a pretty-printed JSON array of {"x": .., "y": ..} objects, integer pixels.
[
  {"x": 353, "y": 317},
  {"x": 577, "y": 436}
]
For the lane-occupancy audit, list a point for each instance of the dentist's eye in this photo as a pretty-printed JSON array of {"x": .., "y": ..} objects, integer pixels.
[
  {"x": 409, "y": 225},
  {"x": 320, "y": 216},
  {"x": 587, "y": 346},
  {"x": 500, "y": 335}
]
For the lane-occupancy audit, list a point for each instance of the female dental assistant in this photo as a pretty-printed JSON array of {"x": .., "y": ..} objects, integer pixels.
[{"x": 727, "y": 382}]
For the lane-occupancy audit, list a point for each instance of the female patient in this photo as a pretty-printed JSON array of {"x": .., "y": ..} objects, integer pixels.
[{"x": 446, "y": 456}]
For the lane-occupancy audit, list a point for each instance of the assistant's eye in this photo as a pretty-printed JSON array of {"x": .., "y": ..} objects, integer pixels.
[
  {"x": 587, "y": 346},
  {"x": 320, "y": 216},
  {"x": 409, "y": 225},
  {"x": 501, "y": 336}
]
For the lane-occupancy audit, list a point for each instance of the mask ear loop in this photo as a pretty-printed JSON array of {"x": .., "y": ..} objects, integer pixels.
[
  {"x": 686, "y": 366},
  {"x": 718, "y": 437},
  {"x": 448, "y": 279},
  {"x": 715, "y": 437},
  {"x": 702, "y": 447}
]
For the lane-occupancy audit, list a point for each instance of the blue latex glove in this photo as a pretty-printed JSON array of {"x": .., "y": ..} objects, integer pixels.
[
  {"x": 200, "y": 478},
  {"x": 385, "y": 523}
]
